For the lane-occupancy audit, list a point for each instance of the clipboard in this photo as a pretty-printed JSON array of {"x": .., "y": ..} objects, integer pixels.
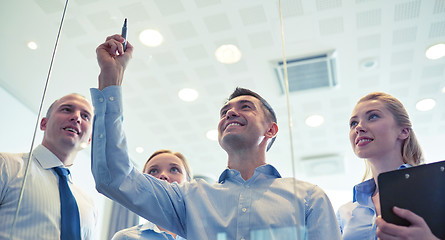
[{"x": 420, "y": 189}]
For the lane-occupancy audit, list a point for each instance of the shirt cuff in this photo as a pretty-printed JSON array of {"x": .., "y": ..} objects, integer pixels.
[{"x": 108, "y": 100}]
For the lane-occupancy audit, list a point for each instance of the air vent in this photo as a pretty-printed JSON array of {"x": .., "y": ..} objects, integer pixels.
[
  {"x": 314, "y": 72},
  {"x": 321, "y": 165}
]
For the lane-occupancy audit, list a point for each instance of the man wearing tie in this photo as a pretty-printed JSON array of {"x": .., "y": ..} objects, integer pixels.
[{"x": 52, "y": 207}]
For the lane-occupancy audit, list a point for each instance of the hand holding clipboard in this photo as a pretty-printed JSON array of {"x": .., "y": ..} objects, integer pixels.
[{"x": 421, "y": 190}]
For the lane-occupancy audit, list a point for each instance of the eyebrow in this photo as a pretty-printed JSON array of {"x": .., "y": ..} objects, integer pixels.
[
  {"x": 171, "y": 164},
  {"x": 72, "y": 106},
  {"x": 237, "y": 102},
  {"x": 367, "y": 112}
]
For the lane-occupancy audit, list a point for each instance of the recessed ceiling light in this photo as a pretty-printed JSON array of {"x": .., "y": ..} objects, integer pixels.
[
  {"x": 368, "y": 64},
  {"x": 151, "y": 38},
  {"x": 443, "y": 89},
  {"x": 188, "y": 94},
  {"x": 436, "y": 51},
  {"x": 139, "y": 149},
  {"x": 32, "y": 45},
  {"x": 228, "y": 54},
  {"x": 425, "y": 104},
  {"x": 212, "y": 135},
  {"x": 314, "y": 120}
]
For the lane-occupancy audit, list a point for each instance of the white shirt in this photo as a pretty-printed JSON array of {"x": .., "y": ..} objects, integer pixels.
[{"x": 39, "y": 213}]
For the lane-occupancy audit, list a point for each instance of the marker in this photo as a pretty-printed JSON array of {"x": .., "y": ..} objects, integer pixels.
[{"x": 124, "y": 34}]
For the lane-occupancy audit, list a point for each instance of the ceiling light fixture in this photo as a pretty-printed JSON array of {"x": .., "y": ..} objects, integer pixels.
[
  {"x": 188, "y": 94},
  {"x": 228, "y": 54},
  {"x": 139, "y": 149},
  {"x": 32, "y": 45},
  {"x": 212, "y": 135},
  {"x": 151, "y": 37},
  {"x": 436, "y": 51},
  {"x": 314, "y": 120},
  {"x": 443, "y": 89},
  {"x": 368, "y": 64},
  {"x": 425, "y": 104}
]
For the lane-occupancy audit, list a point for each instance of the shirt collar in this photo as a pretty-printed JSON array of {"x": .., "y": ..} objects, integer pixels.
[
  {"x": 261, "y": 170},
  {"x": 362, "y": 190},
  {"x": 46, "y": 158},
  {"x": 149, "y": 226}
]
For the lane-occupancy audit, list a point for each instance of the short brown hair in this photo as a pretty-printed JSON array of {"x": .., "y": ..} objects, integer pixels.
[{"x": 270, "y": 113}]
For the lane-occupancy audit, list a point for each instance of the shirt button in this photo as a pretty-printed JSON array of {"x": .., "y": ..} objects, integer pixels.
[
  {"x": 111, "y": 98},
  {"x": 101, "y": 100},
  {"x": 101, "y": 135},
  {"x": 242, "y": 238},
  {"x": 244, "y": 209}
]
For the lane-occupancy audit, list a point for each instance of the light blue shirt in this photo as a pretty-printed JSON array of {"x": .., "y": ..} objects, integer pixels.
[
  {"x": 357, "y": 218},
  {"x": 146, "y": 231},
  {"x": 264, "y": 207}
]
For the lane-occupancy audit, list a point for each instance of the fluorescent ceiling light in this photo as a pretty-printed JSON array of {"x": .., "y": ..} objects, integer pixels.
[
  {"x": 188, "y": 94},
  {"x": 425, "y": 104},
  {"x": 436, "y": 51},
  {"x": 314, "y": 120},
  {"x": 151, "y": 38},
  {"x": 212, "y": 135},
  {"x": 228, "y": 54}
]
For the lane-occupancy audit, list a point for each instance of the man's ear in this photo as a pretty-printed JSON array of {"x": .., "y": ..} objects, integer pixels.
[
  {"x": 43, "y": 123},
  {"x": 272, "y": 131},
  {"x": 404, "y": 133}
]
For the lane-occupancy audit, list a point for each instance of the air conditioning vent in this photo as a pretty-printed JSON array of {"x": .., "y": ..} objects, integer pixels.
[
  {"x": 321, "y": 165},
  {"x": 313, "y": 72}
]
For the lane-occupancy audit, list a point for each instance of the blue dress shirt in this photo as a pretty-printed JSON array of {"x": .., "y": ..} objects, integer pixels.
[
  {"x": 264, "y": 207},
  {"x": 357, "y": 218}
]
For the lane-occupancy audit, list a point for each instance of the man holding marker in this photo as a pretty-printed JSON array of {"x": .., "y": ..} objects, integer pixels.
[{"x": 250, "y": 200}]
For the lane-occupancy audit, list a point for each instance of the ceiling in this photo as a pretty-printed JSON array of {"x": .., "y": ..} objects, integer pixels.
[{"x": 393, "y": 33}]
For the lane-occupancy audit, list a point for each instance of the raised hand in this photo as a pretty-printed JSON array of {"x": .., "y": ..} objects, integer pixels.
[{"x": 112, "y": 60}]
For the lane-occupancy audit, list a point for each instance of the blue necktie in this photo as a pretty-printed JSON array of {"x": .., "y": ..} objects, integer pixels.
[{"x": 70, "y": 220}]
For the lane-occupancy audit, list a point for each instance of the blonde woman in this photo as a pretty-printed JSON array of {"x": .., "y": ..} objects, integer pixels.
[
  {"x": 381, "y": 133},
  {"x": 171, "y": 167}
]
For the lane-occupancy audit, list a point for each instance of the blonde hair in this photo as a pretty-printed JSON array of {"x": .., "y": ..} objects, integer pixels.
[
  {"x": 188, "y": 171},
  {"x": 411, "y": 150}
]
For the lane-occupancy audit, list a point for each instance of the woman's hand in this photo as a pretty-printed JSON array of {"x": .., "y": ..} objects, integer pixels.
[{"x": 417, "y": 230}]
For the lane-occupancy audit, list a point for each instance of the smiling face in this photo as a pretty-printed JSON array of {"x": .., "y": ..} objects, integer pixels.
[
  {"x": 374, "y": 134},
  {"x": 68, "y": 125},
  {"x": 243, "y": 123},
  {"x": 166, "y": 166}
]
